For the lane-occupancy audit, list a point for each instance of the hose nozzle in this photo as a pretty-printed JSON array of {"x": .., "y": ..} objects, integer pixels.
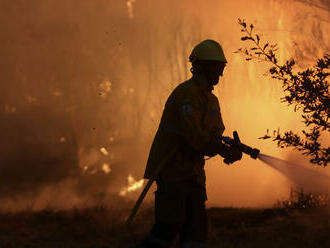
[{"x": 253, "y": 152}]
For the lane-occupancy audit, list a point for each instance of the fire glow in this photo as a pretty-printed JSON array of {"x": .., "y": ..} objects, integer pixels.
[
  {"x": 133, "y": 185},
  {"x": 104, "y": 151},
  {"x": 88, "y": 92},
  {"x": 106, "y": 168}
]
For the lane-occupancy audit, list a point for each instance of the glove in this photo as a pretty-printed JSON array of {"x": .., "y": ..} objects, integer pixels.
[{"x": 231, "y": 154}]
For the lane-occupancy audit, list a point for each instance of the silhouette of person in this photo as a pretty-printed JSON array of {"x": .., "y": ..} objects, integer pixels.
[{"x": 191, "y": 124}]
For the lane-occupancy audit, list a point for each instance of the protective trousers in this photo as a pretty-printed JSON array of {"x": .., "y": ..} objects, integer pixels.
[{"x": 179, "y": 210}]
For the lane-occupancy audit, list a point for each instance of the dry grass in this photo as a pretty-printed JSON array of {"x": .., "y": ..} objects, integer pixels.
[{"x": 103, "y": 227}]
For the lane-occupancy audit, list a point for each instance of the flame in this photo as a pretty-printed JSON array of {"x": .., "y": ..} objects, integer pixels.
[
  {"x": 130, "y": 8},
  {"x": 133, "y": 185},
  {"x": 104, "y": 151},
  {"x": 106, "y": 168}
]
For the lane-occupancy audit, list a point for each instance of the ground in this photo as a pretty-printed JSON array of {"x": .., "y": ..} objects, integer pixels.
[{"x": 101, "y": 226}]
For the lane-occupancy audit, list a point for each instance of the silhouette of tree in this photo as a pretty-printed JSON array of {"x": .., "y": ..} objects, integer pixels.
[{"x": 307, "y": 90}]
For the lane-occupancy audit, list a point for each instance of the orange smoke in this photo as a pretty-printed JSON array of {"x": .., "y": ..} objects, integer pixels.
[{"x": 85, "y": 85}]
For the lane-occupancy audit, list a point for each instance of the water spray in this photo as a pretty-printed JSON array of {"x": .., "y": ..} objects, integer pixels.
[
  {"x": 303, "y": 177},
  {"x": 300, "y": 176}
]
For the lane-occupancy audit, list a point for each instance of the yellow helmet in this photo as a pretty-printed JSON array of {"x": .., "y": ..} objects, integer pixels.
[{"x": 208, "y": 50}]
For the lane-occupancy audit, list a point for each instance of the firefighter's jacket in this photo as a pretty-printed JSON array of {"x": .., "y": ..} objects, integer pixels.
[{"x": 191, "y": 120}]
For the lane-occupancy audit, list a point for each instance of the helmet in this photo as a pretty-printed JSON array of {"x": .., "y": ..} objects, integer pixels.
[{"x": 207, "y": 50}]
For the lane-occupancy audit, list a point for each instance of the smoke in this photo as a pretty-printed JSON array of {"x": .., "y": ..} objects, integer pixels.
[
  {"x": 83, "y": 77},
  {"x": 310, "y": 180}
]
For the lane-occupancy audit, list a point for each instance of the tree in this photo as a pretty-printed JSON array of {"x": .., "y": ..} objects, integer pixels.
[{"x": 307, "y": 90}]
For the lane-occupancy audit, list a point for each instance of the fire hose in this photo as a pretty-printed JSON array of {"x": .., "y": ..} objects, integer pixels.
[{"x": 147, "y": 187}]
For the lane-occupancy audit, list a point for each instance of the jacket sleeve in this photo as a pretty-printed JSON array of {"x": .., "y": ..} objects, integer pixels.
[{"x": 215, "y": 146}]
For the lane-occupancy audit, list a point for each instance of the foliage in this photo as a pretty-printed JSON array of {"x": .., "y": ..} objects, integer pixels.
[
  {"x": 307, "y": 90},
  {"x": 301, "y": 200}
]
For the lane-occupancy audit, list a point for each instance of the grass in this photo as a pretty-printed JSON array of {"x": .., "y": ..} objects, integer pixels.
[
  {"x": 102, "y": 227},
  {"x": 269, "y": 228}
]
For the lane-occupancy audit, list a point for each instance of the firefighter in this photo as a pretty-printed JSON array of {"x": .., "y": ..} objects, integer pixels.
[{"x": 191, "y": 124}]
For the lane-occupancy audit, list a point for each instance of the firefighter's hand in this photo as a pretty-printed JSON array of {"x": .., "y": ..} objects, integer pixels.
[{"x": 232, "y": 155}]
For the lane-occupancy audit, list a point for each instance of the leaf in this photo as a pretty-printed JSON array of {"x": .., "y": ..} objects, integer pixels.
[
  {"x": 273, "y": 70},
  {"x": 238, "y": 50},
  {"x": 265, "y": 46},
  {"x": 258, "y": 38}
]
